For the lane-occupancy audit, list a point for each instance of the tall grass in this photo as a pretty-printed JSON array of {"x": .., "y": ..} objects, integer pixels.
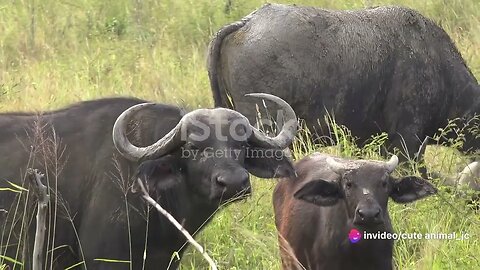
[
  {"x": 58, "y": 52},
  {"x": 53, "y": 53}
]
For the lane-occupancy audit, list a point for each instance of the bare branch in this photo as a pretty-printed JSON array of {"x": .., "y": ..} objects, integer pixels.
[
  {"x": 35, "y": 178},
  {"x": 164, "y": 212}
]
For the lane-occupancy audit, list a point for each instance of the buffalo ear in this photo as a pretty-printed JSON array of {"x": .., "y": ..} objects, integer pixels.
[
  {"x": 269, "y": 163},
  {"x": 411, "y": 188},
  {"x": 158, "y": 174},
  {"x": 320, "y": 192}
]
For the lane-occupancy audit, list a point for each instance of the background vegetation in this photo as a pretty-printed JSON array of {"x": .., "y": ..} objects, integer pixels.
[{"x": 55, "y": 52}]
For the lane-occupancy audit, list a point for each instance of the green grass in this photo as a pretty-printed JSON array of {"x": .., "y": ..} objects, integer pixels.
[{"x": 53, "y": 53}]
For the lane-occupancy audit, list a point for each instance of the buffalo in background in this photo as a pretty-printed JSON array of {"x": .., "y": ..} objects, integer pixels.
[
  {"x": 95, "y": 207},
  {"x": 385, "y": 69}
]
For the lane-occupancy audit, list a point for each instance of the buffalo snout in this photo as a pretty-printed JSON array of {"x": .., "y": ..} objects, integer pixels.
[
  {"x": 232, "y": 184},
  {"x": 368, "y": 214}
]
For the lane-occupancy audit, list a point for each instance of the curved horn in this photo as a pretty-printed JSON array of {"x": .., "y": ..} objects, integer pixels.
[
  {"x": 288, "y": 132},
  {"x": 335, "y": 166},
  {"x": 391, "y": 164},
  {"x": 163, "y": 146}
]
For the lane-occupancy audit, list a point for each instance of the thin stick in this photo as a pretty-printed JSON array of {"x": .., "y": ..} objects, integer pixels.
[
  {"x": 35, "y": 178},
  {"x": 176, "y": 224}
]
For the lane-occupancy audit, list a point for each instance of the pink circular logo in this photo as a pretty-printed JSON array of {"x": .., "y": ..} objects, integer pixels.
[{"x": 354, "y": 235}]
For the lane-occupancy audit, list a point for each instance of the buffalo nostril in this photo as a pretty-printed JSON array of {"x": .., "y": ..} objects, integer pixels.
[
  {"x": 221, "y": 181},
  {"x": 369, "y": 213},
  {"x": 234, "y": 182},
  {"x": 360, "y": 213}
]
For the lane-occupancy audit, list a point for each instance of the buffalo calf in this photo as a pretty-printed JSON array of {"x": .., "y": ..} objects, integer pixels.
[{"x": 315, "y": 212}]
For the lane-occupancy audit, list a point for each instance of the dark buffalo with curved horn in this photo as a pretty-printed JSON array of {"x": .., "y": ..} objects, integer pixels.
[
  {"x": 385, "y": 69},
  {"x": 191, "y": 163},
  {"x": 323, "y": 214}
]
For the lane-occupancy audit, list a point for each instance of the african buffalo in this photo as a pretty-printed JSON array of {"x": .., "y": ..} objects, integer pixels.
[
  {"x": 385, "y": 69},
  {"x": 316, "y": 211},
  {"x": 191, "y": 163},
  {"x": 468, "y": 178}
]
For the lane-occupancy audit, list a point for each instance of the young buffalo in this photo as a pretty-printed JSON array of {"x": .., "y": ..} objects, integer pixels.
[{"x": 332, "y": 198}]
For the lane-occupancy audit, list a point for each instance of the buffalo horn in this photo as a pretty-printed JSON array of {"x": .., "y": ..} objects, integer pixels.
[
  {"x": 391, "y": 164},
  {"x": 335, "y": 166},
  {"x": 288, "y": 132},
  {"x": 163, "y": 146}
]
